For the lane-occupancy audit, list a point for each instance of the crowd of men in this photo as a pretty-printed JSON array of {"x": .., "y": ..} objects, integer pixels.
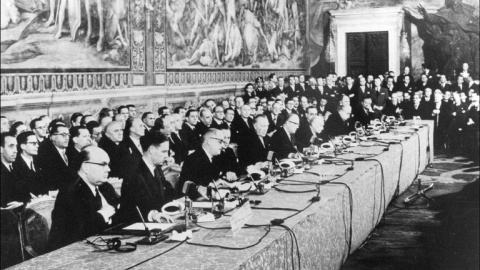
[{"x": 215, "y": 142}]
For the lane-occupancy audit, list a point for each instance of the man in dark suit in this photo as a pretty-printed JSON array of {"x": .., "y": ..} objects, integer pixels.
[
  {"x": 379, "y": 97},
  {"x": 423, "y": 83},
  {"x": 394, "y": 106},
  {"x": 443, "y": 85},
  {"x": 111, "y": 144},
  {"x": 79, "y": 138},
  {"x": 472, "y": 128},
  {"x": 188, "y": 129},
  {"x": 340, "y": 122},
  {"x": 300, "y": 87},
  {"x": 134, "y": 130},
  {"x": 218, "y": 116},
  {"x": 311, "y": 133},
  {"x": 26, "y": 165},
  {"x": 348, "y": 89},
  {"x": 39, "y": 128},
  {"x": 280, "y": 89},
  {"x": 206, "y": 118},
  {"x": 460, "y": 85},
  {"x": 406, "y": 85},
  {"x": 12, "y": 192},
  {"x": 440, "y": 113},
  {"x": 178, "y": 141},
  {"x": 199, "y": 169},
  {"x": 290, "y": 89},
  {"x": 88, "y": 205},
  {"x": 428, "y": 99},
  {"x": 365, "y": 113},
  {"x": 53, "y": 160},
  {"x": 283, "y": 140},
  {"x": 401, "y": 78},
  {"x": 254, "y": 147},
  {"x": 360, "y": 92},
  {"x": 145, "y": 187},
  {"x": 416, "y": 108},
  {"x": 242, "y": 125},
  {"x": 289, "y": 108},
  {"x": 275, "y": 117},
  {"x": 148, "y": 119},
  {"x": 227, "y": 161}
]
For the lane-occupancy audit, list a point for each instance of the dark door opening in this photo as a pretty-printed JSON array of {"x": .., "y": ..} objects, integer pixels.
[{"x": 367, "y": 53}]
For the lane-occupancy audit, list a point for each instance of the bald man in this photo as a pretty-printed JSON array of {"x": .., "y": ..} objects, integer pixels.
[
  {"x": 111, "y": 144},
  {"x": 88, "y": 205}
]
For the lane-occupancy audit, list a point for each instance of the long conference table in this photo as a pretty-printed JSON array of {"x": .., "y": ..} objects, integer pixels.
[{"x": 324, "y": 232}]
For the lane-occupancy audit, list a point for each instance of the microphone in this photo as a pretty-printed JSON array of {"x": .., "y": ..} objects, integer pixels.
[
  {"x": 187, "y": 186},
  {"x": 270, "y": 155},
  {"x": 143, "y": 221}
]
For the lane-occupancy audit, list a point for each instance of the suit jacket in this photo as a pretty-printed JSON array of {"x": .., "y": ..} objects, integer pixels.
[
  {"x": 75, "y": 215},
  {"x": 251, "y": 150},
  {"x": 189, "y": 134},
  {"x": 216, "y": 125},
  {"x": 239, "y": 128},
  {"x": 131, "y": 149},
  {"x": 146, "y": 191},
  {"x": 11, "y": 188},
  {"x": 263, "y": 93},
  {"x": 443, "y": 119},
  {"x": 444, "y": 88},
  {"x": 200, "y": 130},
  {"x": 390, "y": 109},
  {"x": 72, "y": 153},
  {"x": 429, "y": 104},
  {"x": 32, "y": 180},
  {"x": 401, "y": 77},
  {"x": 336, "y": 126},
  {"x": 420, "y": 86},
  {"x": 179, "y": 145},
  {"x": 360, "y": 95},
  {"x": 379, "y": 98},
  {"x": 277, "y": 91},
  {"x": 405, "y": 88},
  {"x": 282, "y": 145},
  {"x": 247, "y": 97},
  {"x": 117, "y": 153},
  {"x": 363, "y": 117},
  {"x": 290, "y": 91},
  {"x": 346, "y": 91},
  {"x": 410, "y": 111},
  {"x": 300, "y": 90},
  {"x": 274, "y": 125},
  {"x": 303, "y": 137},
  {"x": 227, "y": 162},
  {"x": 200, "y": 170},
  {"x": 56, "y": 172}
]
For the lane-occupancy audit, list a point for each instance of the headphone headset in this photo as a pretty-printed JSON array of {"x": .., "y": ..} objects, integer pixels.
[{"x": 115, "y": 244}]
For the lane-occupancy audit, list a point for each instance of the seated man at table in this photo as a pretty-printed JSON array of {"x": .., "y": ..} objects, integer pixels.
[
  {"x": 311, "y": 134},
  {"x": 199, "y": 169},
  {"x": 283, "y": 140},
  {"x": 254, "y": 147},
  {"x": 88, "y": 205},
  {"x": 227, "y": 161},
  {"x": 340, "y": 122},
  {"x": 145, "y": 187}
]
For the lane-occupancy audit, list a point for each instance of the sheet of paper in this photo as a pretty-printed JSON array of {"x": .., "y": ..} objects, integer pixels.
[
  {"x": 139, "y": 226},
  {"x": 240, "y": 217}
]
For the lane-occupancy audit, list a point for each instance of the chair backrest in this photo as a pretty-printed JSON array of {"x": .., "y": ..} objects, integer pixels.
[
  {"x": 11, "y": 249},
  {"x": 37, "y": 224}
]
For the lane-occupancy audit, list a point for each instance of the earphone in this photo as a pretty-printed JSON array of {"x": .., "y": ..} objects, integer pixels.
[{"x": 115, "y": 244}]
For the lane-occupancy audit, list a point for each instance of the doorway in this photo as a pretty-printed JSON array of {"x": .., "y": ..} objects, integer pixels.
[{"x": 367, "y": 53}]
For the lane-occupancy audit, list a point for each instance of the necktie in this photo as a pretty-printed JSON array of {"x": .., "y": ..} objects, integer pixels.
[
  {"x": 98, "y": 199},
  {"x": 65, "y": 158},
  {"x": 275, "y": 120},
  {"x": 10, "y": 168},
  {"x": 178, "y": 136},
  {"x": 292, "y": 138},
  {"x": 261, "y": 140},
  {"x": 31, "y": 166},
  {"x": 416, "y": 107},
  {"x": 159, "y": 179}
]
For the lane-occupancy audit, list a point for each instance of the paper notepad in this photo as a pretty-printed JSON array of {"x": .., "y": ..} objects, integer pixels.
[{"x": 139, "y": 226}]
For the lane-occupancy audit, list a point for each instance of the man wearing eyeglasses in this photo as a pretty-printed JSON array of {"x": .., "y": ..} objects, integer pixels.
[
  {"x": 53, "y": 159},
  {"x": 243, "y": 124},
  {"x": 26, "y": 165},
  {"x": 218, "y": 116},
  {"x": 39, "y": 128},
  {"x": 199, "y": 169},
  {"x": 88, "y": 205},
  {"x": 283, "y": 140}
]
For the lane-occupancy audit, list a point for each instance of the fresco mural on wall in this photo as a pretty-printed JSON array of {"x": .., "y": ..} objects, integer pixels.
[
  {"x": 64, "y": 34},
  {"x": 236, "y": 34}
]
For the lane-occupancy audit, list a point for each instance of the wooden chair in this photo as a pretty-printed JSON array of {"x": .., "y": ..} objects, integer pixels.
[
  {"x": 11, "y": 245},
  {"x": 37, "y": 221}
]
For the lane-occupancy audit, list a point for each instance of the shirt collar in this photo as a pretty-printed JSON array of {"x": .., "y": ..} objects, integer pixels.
[
  {"x": 91, "y": 187},
  {"x": 7, "y": 165},
  {"x": 27, "y": 159},
  {"x": 208, "y": 155},
  {"x": 61, "y": 151},
  {"x": 150, "y": 165}
]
